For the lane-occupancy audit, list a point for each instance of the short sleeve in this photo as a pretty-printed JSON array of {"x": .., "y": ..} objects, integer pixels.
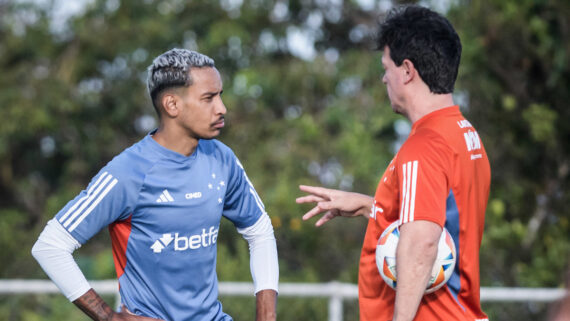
[
  {"x": 242, "y": 205},
  {"x": 424, "y": 167},
  {"x": 104, "y": 201}
]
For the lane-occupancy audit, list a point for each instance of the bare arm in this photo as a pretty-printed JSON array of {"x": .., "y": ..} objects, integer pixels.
[
  {"x": 415, "y": 255},
  {"x": 94, "y": 306},
  {"x": 266, "y": 302},
  {"x": 334, "y": 203}
]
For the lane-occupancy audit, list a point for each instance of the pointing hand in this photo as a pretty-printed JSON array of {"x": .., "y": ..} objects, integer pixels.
[{"x": 334, "y": 203}]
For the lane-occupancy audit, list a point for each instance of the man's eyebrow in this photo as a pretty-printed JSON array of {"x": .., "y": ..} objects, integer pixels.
[{"x": 211, "y": 93}]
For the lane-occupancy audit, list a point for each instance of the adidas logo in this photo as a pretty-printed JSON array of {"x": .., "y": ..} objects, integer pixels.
[{"x": 165, "y": 197}]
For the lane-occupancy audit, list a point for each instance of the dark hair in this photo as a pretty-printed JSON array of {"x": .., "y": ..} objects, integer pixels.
[
  {"x": 172, "y": 70},
  {"x": 425, "y": 38}
]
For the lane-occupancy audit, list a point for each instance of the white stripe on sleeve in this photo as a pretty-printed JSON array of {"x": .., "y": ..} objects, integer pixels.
[
  {"x": 81, "y": 200},
  {"x": 404, "y": 192},
  {"x": 85, "y": 205},
  {"x": 88, "y": 211},
  {"x": 413, "y": 195},
  {"x": 251, "y": 188},
  {"x": 409, "y": 183},
  {"x": 257, "y": 200}
]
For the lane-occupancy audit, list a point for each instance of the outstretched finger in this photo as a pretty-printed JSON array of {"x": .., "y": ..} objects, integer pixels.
[
  {"x": 330, "y": 204},
  {"x": 316, "y": 190},
  {"x": 314, "y": 211},
  {"x": 309, "y": 199},
  {"x": 325, "y": 218}
]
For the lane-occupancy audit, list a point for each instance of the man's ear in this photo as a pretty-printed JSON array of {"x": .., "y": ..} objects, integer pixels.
[
  {"x": 410, "y": 70},
  {"x": 170, "y": 104}
]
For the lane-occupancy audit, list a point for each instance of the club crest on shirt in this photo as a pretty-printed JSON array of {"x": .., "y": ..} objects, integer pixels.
[{"x": 218, "y": 187}]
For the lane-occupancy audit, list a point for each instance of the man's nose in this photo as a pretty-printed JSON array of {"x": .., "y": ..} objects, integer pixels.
[{"x": 220, "y": 107}]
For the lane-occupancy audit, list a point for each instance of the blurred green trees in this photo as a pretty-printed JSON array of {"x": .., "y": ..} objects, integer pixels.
[{"x": 305, "y": 106}]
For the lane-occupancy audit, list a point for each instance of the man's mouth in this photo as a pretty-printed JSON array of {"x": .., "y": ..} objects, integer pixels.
[{"x": 219, "y": 124}]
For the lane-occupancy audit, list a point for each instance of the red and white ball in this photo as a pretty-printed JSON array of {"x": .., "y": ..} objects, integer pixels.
[{"x": 386, "y": 258}]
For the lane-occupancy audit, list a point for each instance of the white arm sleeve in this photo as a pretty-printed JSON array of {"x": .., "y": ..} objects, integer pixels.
[
  {"x": 53, "y": 252},
  {"x": 263, "y": 254}
]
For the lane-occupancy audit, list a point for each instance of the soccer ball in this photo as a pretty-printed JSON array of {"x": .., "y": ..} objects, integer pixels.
[{"x": 386, "y": 258}]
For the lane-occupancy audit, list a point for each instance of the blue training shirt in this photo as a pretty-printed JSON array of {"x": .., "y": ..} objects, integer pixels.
[{"x": 163, "y": 210}]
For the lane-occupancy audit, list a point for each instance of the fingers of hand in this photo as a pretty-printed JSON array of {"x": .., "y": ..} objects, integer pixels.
[
  {"x": 125, "y": 310},
  {"x": 325, "y": 218},
  {"x": 125, "y": 314},
  {"x": 316, "y": 210},
  {"x": 309, "y": 199},
  {"x": 327, "y": 205},
  {"x": 315, "y": 190}
]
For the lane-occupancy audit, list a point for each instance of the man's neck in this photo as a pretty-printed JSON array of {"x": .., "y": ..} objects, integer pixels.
[
  {"x": 422, "y": 105},
  {"x": 175, "y": 140}
]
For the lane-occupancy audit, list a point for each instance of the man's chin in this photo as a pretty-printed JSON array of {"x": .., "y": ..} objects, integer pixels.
[
  {"x": 211, "y": 135},
  {"x": 397, "y": 109}
]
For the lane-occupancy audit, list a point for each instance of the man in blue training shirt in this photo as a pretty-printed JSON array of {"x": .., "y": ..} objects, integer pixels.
[{"x": 163, "y": 199}]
